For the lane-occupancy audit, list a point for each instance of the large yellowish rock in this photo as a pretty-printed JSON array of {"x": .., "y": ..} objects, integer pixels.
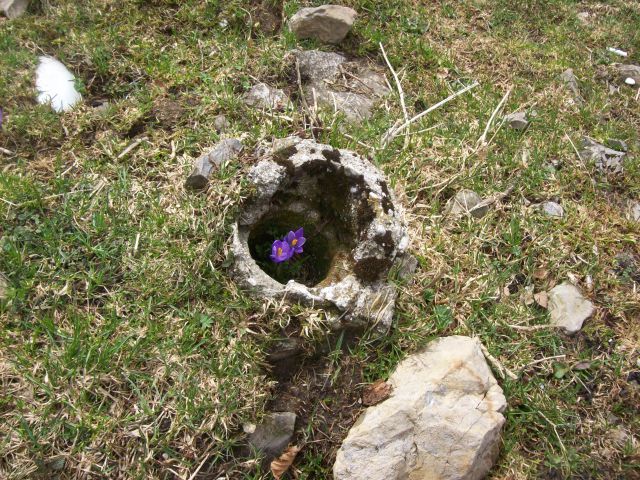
[{"x": 442, "y": 420}]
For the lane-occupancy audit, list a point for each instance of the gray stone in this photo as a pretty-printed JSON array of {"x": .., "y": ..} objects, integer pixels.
[
  {"x": 442, "y": 420},
  {"x": 285, "y": 348},
  {"x": 14, "y": 8},
  {"x": 571, "y": 82},
  {"x": 331, "y": 81},
  {"x": 568, "y": 308},
  {"x": 220, "y": 123},
  {"x": 273, "y": 435},
  {"x": 629, "y": 71},
  {"x": 605, "y": 159},
  {"x": 316, "y": 66},
  {"x": 618, "y": 144},
  {"x": 517, "y": 120},
  {"x": 327, "y": 23},
  {"x": 350, "y": 204},
  {"x": 264, "y": 96},
  {"x": 633, "y": 210},
  {"x": 552, "y": 209},
  {"x": 223, "y": 152},
  {"x": 466, "y": 202}
]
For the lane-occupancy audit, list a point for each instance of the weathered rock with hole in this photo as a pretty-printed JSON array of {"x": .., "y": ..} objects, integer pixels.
[
  {"x": 355, "y": 232},
  {"x": 568, "y": 307},
  {"x": 606, "y": 160},
  {"x": 571, "y": 82},
  {"x": 552, "y": 209},
  {"x": 442, "y": 420},
  {"x": 273, "y": 435},
  {"x": 465, "y": 202},
  {"x": 517, "y": 120},
  {"x": 327, "y": 23},
  {"x": 14, "y": 8},
  {"x": 223, "y": 152},
  {"x": 333, "y": 82},
  {"x": 264, "y": 96}
]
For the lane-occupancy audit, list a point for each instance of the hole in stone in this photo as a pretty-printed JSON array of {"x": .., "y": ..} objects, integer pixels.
[{"x": 329, "y": 206}]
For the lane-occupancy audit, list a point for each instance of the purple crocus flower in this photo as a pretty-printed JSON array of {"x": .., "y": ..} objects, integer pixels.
[
  {"x": 281, "y": 251},
  {"x": 296, "y": 240}
]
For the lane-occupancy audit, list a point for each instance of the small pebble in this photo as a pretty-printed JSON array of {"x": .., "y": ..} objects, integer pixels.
[
  {"x": 629, "y": 81},
  {"x": 618, "y": 52}
]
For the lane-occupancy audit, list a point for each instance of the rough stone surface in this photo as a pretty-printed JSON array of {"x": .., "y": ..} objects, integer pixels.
[
  {"x": 618, "y": 144},
  {"x": 273, "y": 435},
  {"x": 14, "y": 8},
  {"x": 205, "y": 164},
  {"x": 571, "y": 82},
  {"x": 568, "y": 308},
  {"x": 605, "y": 159},
  {"x": 220, "y": 123},
  {"x": 327, "y": 23},
  {"x": 441, "y": 421},
  {"x": 465, "y": 202},
  {"x": 629, "y": 71},
  {"x": 633, "y": 210},
  {"x": 552, "y": 209},
  {"x": 350, "y": 198},
  {"x": 331, "y": 81},
  {"x": 517, "y": 120},
  {"x": 264, "y": 96}
]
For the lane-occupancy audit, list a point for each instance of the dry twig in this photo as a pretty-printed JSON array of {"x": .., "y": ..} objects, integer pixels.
[
  {"x": 502, "y": 370},
  {"x": 482, "y": 141}
]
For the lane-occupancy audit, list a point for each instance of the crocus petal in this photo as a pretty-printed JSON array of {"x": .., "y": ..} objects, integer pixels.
[{"x": 290, "y": 237}]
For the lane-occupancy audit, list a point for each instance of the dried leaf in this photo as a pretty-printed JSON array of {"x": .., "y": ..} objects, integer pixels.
[
  {"x": 541, "y": 299},
  {"x": 540, "y": 273},
  {"x": 281, "y": 464},
  {"x": 376, "y": 393},
  {"x": 584, "y": 365}
]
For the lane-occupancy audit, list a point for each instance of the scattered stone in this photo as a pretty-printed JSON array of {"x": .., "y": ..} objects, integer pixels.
[
  {"x": 465, "y": 202},
  {"x": 629, "y": 71},
  {"x": 633, "y": 210},
  {"x": 617, "y": 51},
  {"x": 630, "y": 81},
  {"x": 264, "y": 96},
  {"x": 442, "y": 419},
  {"x": 14, "y": 8},
  {"x": 56, "y": 85},
  {"x": 327, "y": 23},
  {"x": 571, "y": 82},
  {"x": 331, "y": 81},
  {"x": 618, "y": 144},
  {"x": 552, "y": 209},
  {"x": 220, "y": 123},
  {"x": 606, "y": 159},
  {"x": 223, "y": 152},
  {"x": 347, "y": 206},
  {"x": 568, "y": 308},
  {"x": 376, "y": 393},
  {"x": 273, "y": 435},
  {"x": 517, "y": 120}
]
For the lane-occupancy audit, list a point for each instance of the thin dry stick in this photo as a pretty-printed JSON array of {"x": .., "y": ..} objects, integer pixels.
[
  {"x": 502, "y": 370},
  {"x": 483, "y": 139},
  {"x": 531, "y": 328},
  {"x": 393, "y": 132},
  {"x": 305, "y": 105},
  {"x": 492, "y": 199},
  {"x": 133, "y": 145},
  {"x": 542, "y": 360},
  {"x": 398, "y": 85},
  {"x": 5, "y": 151}
]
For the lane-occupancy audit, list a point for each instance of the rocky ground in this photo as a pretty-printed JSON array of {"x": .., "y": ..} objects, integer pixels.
[{"x": 493, "y": 198}]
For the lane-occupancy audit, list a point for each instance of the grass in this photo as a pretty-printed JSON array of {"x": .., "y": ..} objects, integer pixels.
[{"x": 127, "y": 352}]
